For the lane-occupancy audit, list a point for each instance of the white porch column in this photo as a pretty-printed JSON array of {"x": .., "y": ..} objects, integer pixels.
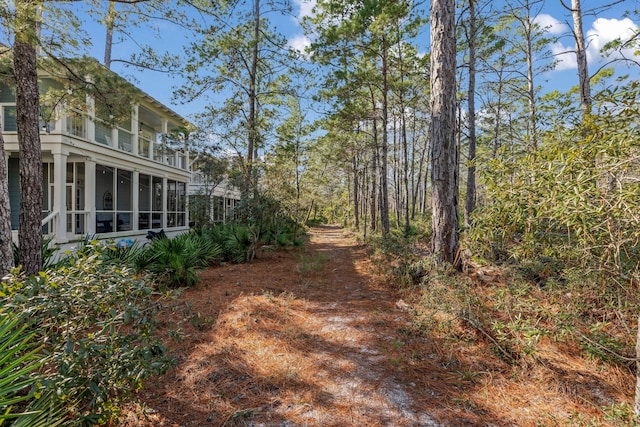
[
  {"x": 89, "y": 121},
  {"x": 165, "y": 198},
  {"x": 164, "y": 123},
  {"x": 90, "y": 195},
  {"x": 60, "y": 195},
  {"x": 135, "y": 130},
  {"x": 135, "y": 190},
  {"x": 114, "y": 137}
]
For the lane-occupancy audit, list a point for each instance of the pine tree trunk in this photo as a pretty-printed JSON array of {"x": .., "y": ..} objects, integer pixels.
[
  {"x": 384, "y": 186},
  {"x": 581, "y": 57},
  {"x": 444, "y": 171},
  {"x": 6, "y": 244},
  {"x": 253, "y": 101},
  {"x": 356, "y": 193},
  {"x": 108, "y": 44},
  {"x": 470, "y": 201},
  {"x": 27, "y": 108}
]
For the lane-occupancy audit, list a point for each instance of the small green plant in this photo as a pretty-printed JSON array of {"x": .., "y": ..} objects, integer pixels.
[
  {"x": 237, "y": 243},
  {"x": 311, "y": 263},
  {"x": 176, "y": 334},
  {"x": 201, "y": 322},
  {"x": 48, "y": 253},
  {"x": 176, "y": 262},
  {"x": 621, "y": 413}
]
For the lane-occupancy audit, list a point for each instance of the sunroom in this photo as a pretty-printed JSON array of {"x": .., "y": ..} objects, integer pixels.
[{"x": 103, "y": 177}]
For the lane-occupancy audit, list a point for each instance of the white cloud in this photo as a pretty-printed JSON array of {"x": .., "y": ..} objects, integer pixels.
[
  {"x": 604, "y": 31},
  {"x": 299, "y": 43},
  {"x": 550, "y": 24},
  {"x": 601, "y": 32},
  {"x": 566, "y": 56},
  {"x": 306, "y": 8}
]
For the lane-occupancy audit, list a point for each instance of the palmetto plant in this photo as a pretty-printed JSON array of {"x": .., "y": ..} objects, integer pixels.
[
  {"x": 238, "y": 242},
  {"x": 176, "y": 262},
  {"x": 21, "y": 401}
]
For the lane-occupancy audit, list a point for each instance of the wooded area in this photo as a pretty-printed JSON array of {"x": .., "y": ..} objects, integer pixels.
[{"x": 367, "y": 129}]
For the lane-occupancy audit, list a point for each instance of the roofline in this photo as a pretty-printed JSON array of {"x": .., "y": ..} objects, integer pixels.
[{"x": 145, "y": 95}]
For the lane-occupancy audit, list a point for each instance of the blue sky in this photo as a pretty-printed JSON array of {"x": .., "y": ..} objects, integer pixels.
[{"x": 600, "y": 27}]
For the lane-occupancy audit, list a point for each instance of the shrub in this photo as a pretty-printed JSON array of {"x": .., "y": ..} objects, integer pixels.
[
  {"x": 238, "y": 243},
  {"x": 269, "y": 219},
  {"x": 574, "y": 200},
  {"x": 95, "y": 321},
  {"x": 176, "y": 262}
]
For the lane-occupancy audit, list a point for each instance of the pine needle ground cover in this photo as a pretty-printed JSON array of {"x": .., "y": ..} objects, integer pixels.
[{"x": 284, "y": 340}]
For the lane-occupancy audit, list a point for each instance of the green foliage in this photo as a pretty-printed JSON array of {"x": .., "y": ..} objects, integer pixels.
[
  {"x": 95, "y": 321},
  {"x": 566, "y": 218},
  {"x": 269, "y": 221},
  {"x": 176, "y": 262},
  {"x": 237, "y": 242},
  {"x": 125, "y": 252},
  {"x": 398, "y": 258},
  {"x": 575, "y": 199},
  {"x": 311, "y": 263},
  {"x": 22, "y": 398}
]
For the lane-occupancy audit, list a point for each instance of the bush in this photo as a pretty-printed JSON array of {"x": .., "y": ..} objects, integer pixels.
[
  {"x": 270, "y": 221},
  {"x": 176, "y": 262},
  {"x": 238, "y": 243},
  {"x": 575, "y": 200},
  {"x": 96, "y": 323}
]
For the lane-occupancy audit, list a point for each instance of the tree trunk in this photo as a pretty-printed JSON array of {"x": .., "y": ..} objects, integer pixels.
[
  {"x": 581, "y": 56},
  {"x": 374, "y": 165},
  {"x": 6, "y": 244},
  {"x": 356, "y": 195},
  {"x": 384, "y": 190},
  {"x": 496, "y": 127},
  {"x": 470, "y": 202},
  {"x": 533, "y": 132},
  {"x": 253, "y": 78},
  {"x": 111, "y": 17},
  {"x": 444, "y": 170},
  {"x": 27, "y": 108}
]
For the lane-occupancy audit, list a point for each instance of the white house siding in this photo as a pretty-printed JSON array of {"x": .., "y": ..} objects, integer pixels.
[{"x": 109, "y": 183}]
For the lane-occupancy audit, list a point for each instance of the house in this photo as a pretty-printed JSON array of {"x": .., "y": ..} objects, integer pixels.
[
  {"x": 103, "y": 176},
  {"x": 211, "y": 199}
]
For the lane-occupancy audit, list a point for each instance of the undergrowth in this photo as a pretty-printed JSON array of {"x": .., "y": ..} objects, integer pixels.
[{"x": 536, "y": 316}]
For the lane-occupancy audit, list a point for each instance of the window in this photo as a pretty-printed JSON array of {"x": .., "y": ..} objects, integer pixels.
[
  {"x": 157, "y": 213},
  {"x": 114, "y": 201},
  {"x": 103, "y": 133},
  {"x": 76, "y": 216},
  {"x": 124, "y": 200},
  {"x": 176, "y": 203},
  {"x": 104, "y": 199},
  {"x": 218, "y": 209},
  {"x": 144, "y": 202},
  {"x": 9, "y": 118},
  {"x": 75, "y": 123}
]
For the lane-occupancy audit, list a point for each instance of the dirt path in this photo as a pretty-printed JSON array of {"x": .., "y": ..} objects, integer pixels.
[
  {"x": 311, "y": 337},
  {"x": 306, "y": 337}
]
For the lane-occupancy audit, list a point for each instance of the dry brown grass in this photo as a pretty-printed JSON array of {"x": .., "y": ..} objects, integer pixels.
[{"x": 328, "y": 346}]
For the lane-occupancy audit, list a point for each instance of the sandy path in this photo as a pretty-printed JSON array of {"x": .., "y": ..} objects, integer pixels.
[{"x": 305, "y": 337}]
